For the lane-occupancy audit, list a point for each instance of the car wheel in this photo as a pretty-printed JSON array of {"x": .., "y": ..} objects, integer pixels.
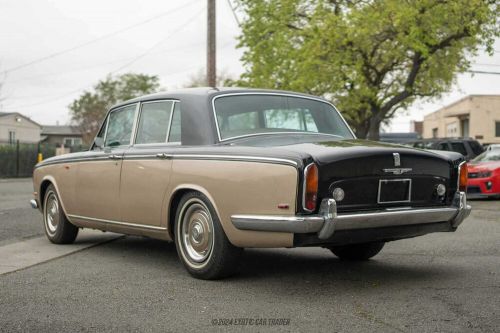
[
  {"x": 201, "y": 243},
  {"x": 57, "y": 227},
  {"x": 357, "y": 252}
]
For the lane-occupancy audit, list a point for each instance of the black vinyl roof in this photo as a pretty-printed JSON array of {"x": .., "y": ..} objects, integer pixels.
[{"x": 198, "y": 124}]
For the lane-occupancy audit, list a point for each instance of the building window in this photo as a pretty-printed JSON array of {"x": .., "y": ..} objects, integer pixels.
[
  {"x": 69, "y": 142},
  {"x": 497, "y": 129},
  {"x": 434, "y": 132},
  {"x": 12, "y": 137}
]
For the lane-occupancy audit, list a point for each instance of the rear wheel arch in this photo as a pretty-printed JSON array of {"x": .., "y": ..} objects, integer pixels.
[{"x": 176, "y": 197}]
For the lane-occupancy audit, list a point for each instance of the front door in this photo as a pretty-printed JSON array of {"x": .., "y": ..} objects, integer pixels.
[{"x": 98, "y": 184}]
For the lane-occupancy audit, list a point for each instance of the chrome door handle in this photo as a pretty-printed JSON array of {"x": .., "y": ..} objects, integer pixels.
[
  {"x": 163, "y": 155},
  {"x": 114, "y": 157}
]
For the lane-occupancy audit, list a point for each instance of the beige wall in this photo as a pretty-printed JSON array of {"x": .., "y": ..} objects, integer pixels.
[
  {"x": 26, "y": 131},
  {"x": 482, "y": 111}
]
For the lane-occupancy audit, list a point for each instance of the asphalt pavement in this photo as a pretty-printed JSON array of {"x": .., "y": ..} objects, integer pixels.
[{"x": 444, "y": 282}]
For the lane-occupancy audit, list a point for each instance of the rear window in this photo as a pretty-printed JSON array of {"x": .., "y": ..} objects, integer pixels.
[{"x": 255, "y": 114}]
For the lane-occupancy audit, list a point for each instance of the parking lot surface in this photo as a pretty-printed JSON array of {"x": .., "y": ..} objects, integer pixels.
[{"x": 444, "y": 282}]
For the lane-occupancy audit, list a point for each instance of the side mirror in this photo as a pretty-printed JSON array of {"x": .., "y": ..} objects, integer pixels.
[{"x": 99, "y": 142}]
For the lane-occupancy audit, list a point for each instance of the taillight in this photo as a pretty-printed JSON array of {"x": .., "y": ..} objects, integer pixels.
[
  {"x": 462, "y": 176},
  {"x": 310, "y": 187}
]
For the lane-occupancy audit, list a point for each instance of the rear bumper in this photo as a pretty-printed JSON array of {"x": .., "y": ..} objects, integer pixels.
[{"x": 327, "y": 222}]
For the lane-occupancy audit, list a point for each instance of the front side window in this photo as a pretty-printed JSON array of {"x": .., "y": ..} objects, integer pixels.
[
  {"x": 153, "y": 122},
  {"x": 253, "y": 114},
  {"x": 119, "y": 127}
]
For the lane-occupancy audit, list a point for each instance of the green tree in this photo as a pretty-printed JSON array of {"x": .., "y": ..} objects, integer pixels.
[
  {"x": 370, "y": 57},
  {"x": 89, "y": 109}
]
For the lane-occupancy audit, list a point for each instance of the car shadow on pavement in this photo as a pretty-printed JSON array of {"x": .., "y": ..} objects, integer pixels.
[{"x": 289, "y": 267}]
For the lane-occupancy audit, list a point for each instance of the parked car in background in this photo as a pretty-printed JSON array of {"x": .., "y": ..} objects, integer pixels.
[
  {"x": 468, "y": 147},
  {"x": 403, "y": 138},
  {"x": 484, "y": 175},
  {"x": 219, "y": 170},
  {"x": 494, "y": 146}
]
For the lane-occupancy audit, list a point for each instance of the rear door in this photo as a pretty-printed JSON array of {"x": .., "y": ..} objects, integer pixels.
[{"x": 147, "y": 164}]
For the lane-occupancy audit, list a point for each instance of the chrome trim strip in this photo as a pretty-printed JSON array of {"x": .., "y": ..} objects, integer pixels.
[
  {"x": 236, "y": 158},
  {"x": 257, "y": 159},
  {"x": 318, "y": 99},
  {"x": 126, "y": 224}
]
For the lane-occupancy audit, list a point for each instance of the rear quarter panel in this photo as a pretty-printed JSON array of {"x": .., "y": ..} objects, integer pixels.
[{"x": 240, "y": 187}]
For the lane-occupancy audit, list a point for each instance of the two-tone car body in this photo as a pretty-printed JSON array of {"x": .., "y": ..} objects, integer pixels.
[{"x": 219, "y": 170}]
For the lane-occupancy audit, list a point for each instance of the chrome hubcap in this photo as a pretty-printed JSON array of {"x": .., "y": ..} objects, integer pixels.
[
  {"x": 52, "y": 213},
  {"x": 197, "y": 231}
]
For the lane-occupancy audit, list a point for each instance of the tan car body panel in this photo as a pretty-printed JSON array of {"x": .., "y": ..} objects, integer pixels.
[{"x": 233, "y": 187}]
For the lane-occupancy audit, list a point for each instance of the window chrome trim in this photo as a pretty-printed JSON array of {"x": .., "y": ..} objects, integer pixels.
[
  {"x": 170, "y": 120},
  {"x": 126, "y": 224},
  {"x": 318, "y": 99}
]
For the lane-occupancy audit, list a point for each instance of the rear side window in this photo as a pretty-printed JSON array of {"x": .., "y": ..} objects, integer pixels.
[
  {"x": 476, "y": 147},
  {"x": 442, "y": 146},
  {"x": 459, "y": 147},
  {"x": 153, "y": 122},
  {"x": 119, "y": 127},
  {"x": 175, "y": 128}
]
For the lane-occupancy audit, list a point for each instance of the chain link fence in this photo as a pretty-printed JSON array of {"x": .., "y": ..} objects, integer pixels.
[{"x": 18, "y": 159}]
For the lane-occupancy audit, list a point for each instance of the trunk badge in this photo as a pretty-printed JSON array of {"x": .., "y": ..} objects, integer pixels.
[{"x": 397, "y": 162}]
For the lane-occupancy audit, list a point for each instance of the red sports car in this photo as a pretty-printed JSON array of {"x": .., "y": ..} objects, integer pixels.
[{"x": 484, "y": 175}]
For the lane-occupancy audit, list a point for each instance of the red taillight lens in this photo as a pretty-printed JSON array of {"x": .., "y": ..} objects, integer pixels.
[
  {"x": 463, "y": 177},
  {"x": 310, "y": 187}
]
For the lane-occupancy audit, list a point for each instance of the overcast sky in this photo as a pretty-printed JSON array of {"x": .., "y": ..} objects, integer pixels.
[{"x": 164, "y": 38}]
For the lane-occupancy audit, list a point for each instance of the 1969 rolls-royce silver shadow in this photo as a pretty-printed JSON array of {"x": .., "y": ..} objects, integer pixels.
[{"x": 219, "y": 170}]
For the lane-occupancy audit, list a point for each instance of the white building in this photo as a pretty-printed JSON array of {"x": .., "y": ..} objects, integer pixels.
[{"x": 14, "y": 126}]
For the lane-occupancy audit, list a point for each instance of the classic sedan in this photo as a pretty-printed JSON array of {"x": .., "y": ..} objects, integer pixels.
[
  {"x": 220, "y": 170},
  {"x": 484, "y": 175}
]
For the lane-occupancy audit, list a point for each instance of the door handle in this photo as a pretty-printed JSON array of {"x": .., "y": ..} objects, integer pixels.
[
  {"x": 114, "y": 157},
  {"x": 163, "y": 155}
]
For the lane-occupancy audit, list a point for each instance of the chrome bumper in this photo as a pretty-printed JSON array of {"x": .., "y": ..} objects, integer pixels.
[{"x": 327, "y": 221}]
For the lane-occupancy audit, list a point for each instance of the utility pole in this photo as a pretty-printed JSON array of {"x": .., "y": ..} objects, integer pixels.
[{"x": 211, "y": 70}]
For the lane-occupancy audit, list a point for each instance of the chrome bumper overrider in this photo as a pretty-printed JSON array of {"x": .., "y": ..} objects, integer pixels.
[
  {"x": 327, "y": 221},
  {"x": 34, "y": 204}
]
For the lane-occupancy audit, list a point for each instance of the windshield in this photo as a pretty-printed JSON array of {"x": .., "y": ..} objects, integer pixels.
[
  {"x": 488, "y": 156},
  {"x": 254, "y": 114}
]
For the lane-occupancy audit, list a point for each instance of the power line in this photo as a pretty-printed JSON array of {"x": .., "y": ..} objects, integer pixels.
[
  {"x": 483, "y": 72},
  {"x": 56, "y": 54},
  {"x": 183, "y": 25},
  {"x": 234, "y": 13},
  {"x": 142, "y": 55},
  {"x": 493, "y": 65}
]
